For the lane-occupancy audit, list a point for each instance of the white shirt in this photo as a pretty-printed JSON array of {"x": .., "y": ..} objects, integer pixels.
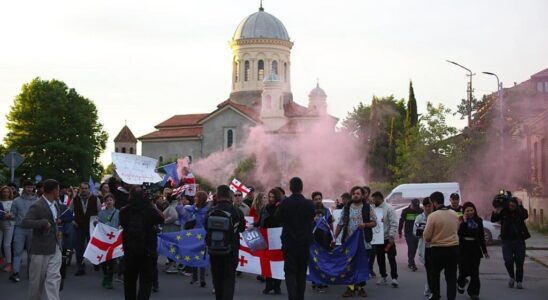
[{"x": 52, "y": 208}]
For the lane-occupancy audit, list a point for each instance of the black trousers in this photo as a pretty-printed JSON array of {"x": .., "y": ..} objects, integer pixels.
[
  {"x": 273, "y": 284},
  {"x": 469, "y": 266},
  {"x": 295, "y": 265},
  {"x": 223, "y": 273},
  {"x": 381, "y": 260},
  {"x": 139, "y": 267},
  {"x": 412, "y": 244},
  {"x": 443, "y": 258},
  {"x": 371, "y": 255},
  {"x": 80, "y": 240},
  {"x": 513, "y": 252}
]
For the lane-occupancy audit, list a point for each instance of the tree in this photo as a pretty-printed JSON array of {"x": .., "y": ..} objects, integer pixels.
[
  {"x": 57, "y": 131},
  {"x": 412, "y": 117},
  {"x": 379, "y": 126},
  {"x": 425, "y": 155}
]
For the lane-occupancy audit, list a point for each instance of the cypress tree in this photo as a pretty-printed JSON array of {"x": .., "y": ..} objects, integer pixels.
[{"x": 412, "y": 117}]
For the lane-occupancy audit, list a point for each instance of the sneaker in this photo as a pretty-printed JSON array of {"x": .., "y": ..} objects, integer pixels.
[
  {"x": 8, "y": 268},
  {"x": 519, "y": 286},
  {"x": 186, "y": 273},
  {"x": 427, "y": 293},
  {"x": 348, "y": 293},
  {"x": 120, "y": 278},
  {"x": 372, "y": 274},
  {"x": 382, "y": 281},
  {"x": 460, "y": 289},
  {"x": 172, "y": 270},
  {"x": 362, "y": 293},
  {"x": 414, "y": 268},
  {"x": 511, "y": 283},
  {"x": 394, "y": 283},
  {"x": 15, "y": 277}
]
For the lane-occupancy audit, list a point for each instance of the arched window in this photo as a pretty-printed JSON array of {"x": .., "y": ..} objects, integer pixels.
[
  {"x": 236, "y": 71},
  {"x": 123, "y": 149},
  {"x": 246, "y": 70},
  {"x": 275, "y": 67},
  {"x": 285, "y": 72},
  {"x": 229, "y": 138},
  {"x": 131, "y": 150},
  {"x": 116, "y": 149},
  {"x": 260, "y": 68}
]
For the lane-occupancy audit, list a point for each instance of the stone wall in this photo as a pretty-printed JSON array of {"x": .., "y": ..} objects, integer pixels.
[{"x": 214, "y": 131}]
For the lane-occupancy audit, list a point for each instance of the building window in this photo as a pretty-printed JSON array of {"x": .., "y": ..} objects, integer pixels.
[
  {"x": 275, "y": 67},
  {"x": 123, "y": 149},
  {"x": 285, "y": 72},
  {"x": 236, "y": 71},
  {"x": 539, "y": 87},
  {"x": 131, "y": 150},
  {"x": 246, "y": 70},
  {"x": 229, "y": 138},
  {"x": 116, "y": 149},
  {"x": 260, "y": 68}
]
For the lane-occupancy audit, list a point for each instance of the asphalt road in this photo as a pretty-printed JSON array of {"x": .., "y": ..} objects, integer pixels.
[{"x": 493, "y": 281}]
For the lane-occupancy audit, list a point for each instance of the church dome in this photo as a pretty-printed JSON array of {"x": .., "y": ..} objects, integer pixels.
[
  {"x": 261, "y": 25},
  {"x": 317, "y": 92}
]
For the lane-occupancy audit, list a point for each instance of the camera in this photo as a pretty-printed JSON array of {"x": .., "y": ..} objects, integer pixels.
[
  {"x": 420, "y": 229},
  {"x": 151, "y": 189},
  {"x": 501, "y": 199}
]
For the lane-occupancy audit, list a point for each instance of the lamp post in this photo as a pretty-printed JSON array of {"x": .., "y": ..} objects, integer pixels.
[
  {"x": 500, "y": 95},
  {"x": 469, "y": 91}
]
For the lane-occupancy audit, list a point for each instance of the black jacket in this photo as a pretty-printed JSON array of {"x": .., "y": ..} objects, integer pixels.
[
  {"x": 407, "y": 220},
  {"x": 139, "y": 222},
  {"x": 236, "y": 215},
  {"x": 472, "y": 240},
  {"x": 512, "y": 224},
  {"x": 296, "y": 214}
]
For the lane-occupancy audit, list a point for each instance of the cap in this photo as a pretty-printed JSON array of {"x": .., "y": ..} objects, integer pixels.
[
  {"x": 416, "y": 202},
  {"x": 454, "y": 196}
]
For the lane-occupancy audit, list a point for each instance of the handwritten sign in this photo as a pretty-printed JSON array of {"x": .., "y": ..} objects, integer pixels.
[
  {"x": 378, "y": 231},
  {"x": 135, "y": 169}
]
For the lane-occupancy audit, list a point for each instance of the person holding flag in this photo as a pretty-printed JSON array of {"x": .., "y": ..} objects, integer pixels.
[
  {"x": 357, "y": 215},
  {"x": 323, "y": 233},
  {"x": 268, "y": 219},
  {"x": 109, "y": 216}
]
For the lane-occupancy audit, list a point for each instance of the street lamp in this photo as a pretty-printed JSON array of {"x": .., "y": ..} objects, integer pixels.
[
  {"x": 469, "y": 92},
  {"x": 501, "y": 107}
]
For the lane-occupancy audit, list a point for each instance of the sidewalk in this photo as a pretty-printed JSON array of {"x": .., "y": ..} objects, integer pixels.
[{"x": 537, "y": 247}]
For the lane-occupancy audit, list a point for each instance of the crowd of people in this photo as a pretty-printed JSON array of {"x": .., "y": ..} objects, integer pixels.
[{"x": 51, "y": 221}]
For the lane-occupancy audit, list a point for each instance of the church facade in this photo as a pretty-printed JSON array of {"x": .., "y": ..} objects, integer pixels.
[{"x": 260, "y": 96}]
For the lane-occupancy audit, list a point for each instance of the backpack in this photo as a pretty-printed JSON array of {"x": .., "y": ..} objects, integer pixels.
[
  {"x": 367, "y": 232},
  {"x": 220, "y": 232}
]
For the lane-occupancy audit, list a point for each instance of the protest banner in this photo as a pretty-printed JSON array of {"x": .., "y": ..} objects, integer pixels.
[{"x": 135, "y": 169}]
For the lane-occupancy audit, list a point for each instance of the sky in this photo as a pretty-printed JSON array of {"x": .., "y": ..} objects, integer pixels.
[{"x": 141, "y": 62}]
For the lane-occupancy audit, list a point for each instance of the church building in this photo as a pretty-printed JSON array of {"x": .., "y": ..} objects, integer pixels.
[{"x": 261, "y": 96}]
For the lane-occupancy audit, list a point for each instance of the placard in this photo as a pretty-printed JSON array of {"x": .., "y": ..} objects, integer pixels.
[{"x": 135, "y": 169}]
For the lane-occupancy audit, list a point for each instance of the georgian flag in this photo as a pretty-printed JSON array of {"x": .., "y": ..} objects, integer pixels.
[
  {"x": 105, "y": 244},
  {"x": 237, "y": 186},
  {"x": 268, "y": 262}
]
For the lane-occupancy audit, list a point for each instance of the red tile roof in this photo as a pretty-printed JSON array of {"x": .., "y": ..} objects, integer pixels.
[
  {"x": 125, "y": 136},
  {"x": 543, "y": 73},
  {"x": 293, "y": 109},
  {"x": 244, "y": 109},
  {"x": 190, "y": 132},
  {"x": 182, "y": 120}
]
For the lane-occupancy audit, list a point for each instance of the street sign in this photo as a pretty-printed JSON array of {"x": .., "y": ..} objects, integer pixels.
[{"x": 13, "y": 160}]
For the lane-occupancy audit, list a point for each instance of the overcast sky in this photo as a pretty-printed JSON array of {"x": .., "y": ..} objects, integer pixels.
[{"x": 144, "y": 61}]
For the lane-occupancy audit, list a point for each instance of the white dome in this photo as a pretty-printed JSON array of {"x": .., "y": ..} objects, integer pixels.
[{"x": 261, "y": 25}]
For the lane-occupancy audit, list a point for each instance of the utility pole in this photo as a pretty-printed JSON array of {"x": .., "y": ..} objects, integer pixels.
[{"x": 469, "y": 92}]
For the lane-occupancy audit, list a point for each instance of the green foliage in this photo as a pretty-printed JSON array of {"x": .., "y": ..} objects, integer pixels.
[
  {"x": 412, "y": 116},
  {"x": 426, "y": 153},
  {"x": 109, "y": 170},
  {"x": 378, "y": 125},
  {"x": 245, "y": 168},
  {"x": 4, "y": 170},
  {"x": 57, "y": 131}
]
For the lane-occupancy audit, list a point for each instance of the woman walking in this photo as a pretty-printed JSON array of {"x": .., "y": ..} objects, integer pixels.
[
  {"x": 109, "y": 216},
  {"x": 197, "y": 213},
  {"x": 7, "y": 224},
  {"x": 471, "y": 250},
  {"x": 268, "y": 220}
]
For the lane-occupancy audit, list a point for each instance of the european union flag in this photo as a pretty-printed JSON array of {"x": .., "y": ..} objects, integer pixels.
[
  {"x": 346, "y": 264},
  {"x": 171, "y": 171},
  {"x": 186, "y": 247}
]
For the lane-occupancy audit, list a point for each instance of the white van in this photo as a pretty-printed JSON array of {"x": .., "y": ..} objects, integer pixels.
[{"x": 402, "y": 195}]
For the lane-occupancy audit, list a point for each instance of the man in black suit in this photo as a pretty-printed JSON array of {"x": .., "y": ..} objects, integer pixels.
[
  {"x": 45, "y": 251},
  {"x": 296, "y": 213}
]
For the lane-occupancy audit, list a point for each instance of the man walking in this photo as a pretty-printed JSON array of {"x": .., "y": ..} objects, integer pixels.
[
  {"x": 407, "y": 222},
  {"x": 85, "y": 205},
  {"x": 296, "y": 214},
  {"x": 22, "y": 237},
  {"x": 223, "y": 266},
  {"x": 389, "y": 246},
  {"x": 441, "y": 232},
  {"x": 45, "y": 253}
]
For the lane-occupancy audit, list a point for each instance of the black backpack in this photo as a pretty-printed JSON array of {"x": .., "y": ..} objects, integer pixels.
[
  {"x": 221, "y": 232},
  {"x": 366, "y": 210}
]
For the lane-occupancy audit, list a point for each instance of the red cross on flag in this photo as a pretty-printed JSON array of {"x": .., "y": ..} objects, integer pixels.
[
  {"x": 237, "y": 186},
  {"x": 105, "y": 244},
  {"x": 268, "y": 262}
]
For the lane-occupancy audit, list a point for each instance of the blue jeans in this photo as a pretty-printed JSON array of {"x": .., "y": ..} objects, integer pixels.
[
  {"x": 513, "y": 252},
  {"x": 22, "y": 239}
]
